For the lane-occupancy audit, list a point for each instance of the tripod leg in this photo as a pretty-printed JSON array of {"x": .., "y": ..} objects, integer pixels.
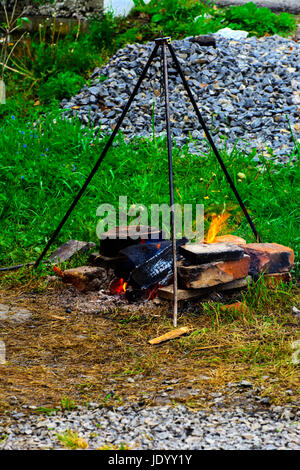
[
  {"x": 104, "y": 152},
  {"x": 209, "y": 138},
  {"x": 167, "y": 109}
]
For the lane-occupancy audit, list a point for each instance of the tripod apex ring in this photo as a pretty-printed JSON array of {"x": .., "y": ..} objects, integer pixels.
[{"x": 166, "y": 40}]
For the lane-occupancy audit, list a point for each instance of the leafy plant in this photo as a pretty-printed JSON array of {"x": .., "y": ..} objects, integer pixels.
[
  {"x": 259, "y": 21},
  {"x": 64, "y": 85},
  {"x": 170, "y": 17},
  {"x": 179, "y": 18}
]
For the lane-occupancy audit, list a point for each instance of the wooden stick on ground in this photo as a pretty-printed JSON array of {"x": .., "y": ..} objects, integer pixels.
[{"x": 170, "y": 335}]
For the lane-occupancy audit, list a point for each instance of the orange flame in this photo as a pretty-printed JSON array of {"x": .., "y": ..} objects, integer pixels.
[
  {"x": 217, "y": 223},
  {"x": 118, "y": 286}
]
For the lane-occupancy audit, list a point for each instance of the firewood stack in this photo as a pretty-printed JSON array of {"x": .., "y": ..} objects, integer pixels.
[
  {"x": 141, "y": 265},
  {"x": 207, "y": 267}
]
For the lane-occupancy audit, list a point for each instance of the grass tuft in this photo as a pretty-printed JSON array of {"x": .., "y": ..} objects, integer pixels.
[{"x": 71, "y": 440}]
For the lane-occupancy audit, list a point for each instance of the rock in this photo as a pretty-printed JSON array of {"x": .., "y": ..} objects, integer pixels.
[
  {"x": 230, "y": 238},
  {"x": 4, "y": 309},
  {"x": 214, "y": 273},
  {"x": 296, "y": 354},
  {"x": 14, "y": 314},
  {"x": 240, "y": 307},
  {"x": 275, "y": 279},
  {"x": 245, "y": 384},
  {"x": 85, "y": 278},
  {"x": 13, "y": 400},
  {"x": 68, "y": 249},
  {"x": 198, "y": 253},
  {"x": 269, "y": 258},
  {"x": 296, "y": 311},
  {"x": 2, "y": 352},
  {"x": 229, "y": 33},
  {"x": 186, "y": 294}
]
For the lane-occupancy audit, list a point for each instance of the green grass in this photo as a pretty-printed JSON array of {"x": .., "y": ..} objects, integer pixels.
[{"x": 44, "y": 164}]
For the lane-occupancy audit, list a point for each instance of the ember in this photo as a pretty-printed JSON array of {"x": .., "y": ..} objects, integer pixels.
[
  {"x": 58, "y": 271},
  {"x": 118, "y": 286},
  {"x": 152, "y": 292}
]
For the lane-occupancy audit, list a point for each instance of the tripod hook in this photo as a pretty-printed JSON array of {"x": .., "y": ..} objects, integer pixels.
[{"x": 160, "y": 41}]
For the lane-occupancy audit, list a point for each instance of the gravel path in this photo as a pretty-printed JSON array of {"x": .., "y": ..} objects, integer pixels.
[
  {"x": 248, "y": 92},
  {"x": 160, "y": 427}
]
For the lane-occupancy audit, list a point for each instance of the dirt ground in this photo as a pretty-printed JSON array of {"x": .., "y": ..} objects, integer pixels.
[{"x": 94, "y": 348}]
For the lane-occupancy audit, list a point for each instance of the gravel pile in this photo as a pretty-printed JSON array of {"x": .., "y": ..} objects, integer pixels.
[
  {"x": 160, "y": 427},
  {"x": 248, "y": 92}
]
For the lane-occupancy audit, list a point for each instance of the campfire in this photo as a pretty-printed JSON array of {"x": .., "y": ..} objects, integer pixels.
[
  {"x": 141, "y": 269},
  {"x": 216, "y": 226}
]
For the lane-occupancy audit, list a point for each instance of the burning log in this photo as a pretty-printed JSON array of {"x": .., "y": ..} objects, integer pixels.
[
  {"x": 123, "y": 236},
  {"x": 158, "y": 269},
  {"x": 214, "y": 273},
  {"x": 106, "y": 262},
  {"x": 138, "y": 254}
]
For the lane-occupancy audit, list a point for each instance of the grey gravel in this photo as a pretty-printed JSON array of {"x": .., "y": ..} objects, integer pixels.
[
  {"x": 248, "y": 92},
  {"x": 159, "y": 427}
]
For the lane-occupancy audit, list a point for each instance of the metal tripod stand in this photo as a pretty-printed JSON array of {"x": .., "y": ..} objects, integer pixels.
[{"x": 164, "y": 43}]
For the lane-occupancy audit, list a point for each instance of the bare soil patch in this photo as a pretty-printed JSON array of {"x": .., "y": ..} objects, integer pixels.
[{"x": 94, "y": 348}]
